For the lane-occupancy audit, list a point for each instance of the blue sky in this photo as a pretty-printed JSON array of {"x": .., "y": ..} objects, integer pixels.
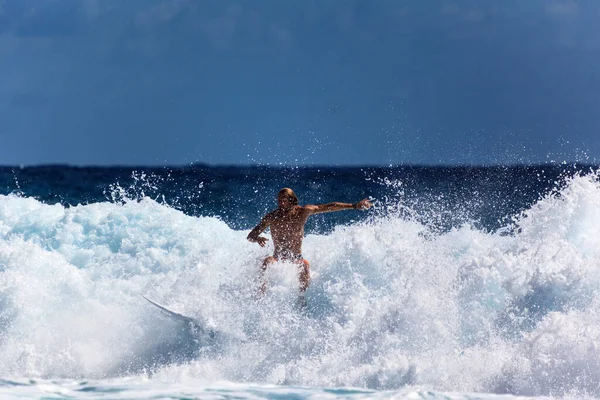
[{"x": 299, "y": 82}]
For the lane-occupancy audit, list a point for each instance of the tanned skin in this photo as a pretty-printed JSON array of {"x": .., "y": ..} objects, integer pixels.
[{"x": 287, "y": 230}]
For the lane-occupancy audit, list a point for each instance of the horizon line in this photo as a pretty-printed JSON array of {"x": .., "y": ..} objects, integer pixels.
[{"x": 306, "y": 166}]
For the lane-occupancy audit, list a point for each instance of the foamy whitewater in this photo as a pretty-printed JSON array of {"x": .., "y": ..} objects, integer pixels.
[{"x": 394, "y": 309}]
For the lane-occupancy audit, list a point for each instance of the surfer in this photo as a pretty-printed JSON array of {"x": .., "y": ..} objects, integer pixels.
[{"x": 287, "y": 230}]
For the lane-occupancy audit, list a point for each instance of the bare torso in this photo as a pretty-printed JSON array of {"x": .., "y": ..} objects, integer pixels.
[
  {"x": 287, "y": 225},
  {"x": 287, "y": 231}
]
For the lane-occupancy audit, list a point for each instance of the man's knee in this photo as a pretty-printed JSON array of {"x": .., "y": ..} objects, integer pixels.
[{"x": 304, "y": 268}]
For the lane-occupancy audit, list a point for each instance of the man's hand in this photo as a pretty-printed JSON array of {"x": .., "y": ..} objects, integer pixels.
[
  {"x": 363, "y": 204},
  {"x": 262, "y": 241}
]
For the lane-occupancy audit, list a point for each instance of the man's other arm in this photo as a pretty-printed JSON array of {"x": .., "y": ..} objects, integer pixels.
[
  {"x": 254, "y": 237},
  {"x": 336, "y": 206}
]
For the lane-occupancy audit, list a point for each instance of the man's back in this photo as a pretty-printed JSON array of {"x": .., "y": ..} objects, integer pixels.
[{"x": 287, "y": 231}]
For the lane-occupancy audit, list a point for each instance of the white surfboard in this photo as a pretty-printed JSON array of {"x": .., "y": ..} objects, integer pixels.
[{"x": 194, "y": 323}]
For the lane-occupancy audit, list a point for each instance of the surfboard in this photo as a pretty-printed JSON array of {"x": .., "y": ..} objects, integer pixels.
[
  {"x": 194, "y": 323},
  {"x": 207, "y": 334}
]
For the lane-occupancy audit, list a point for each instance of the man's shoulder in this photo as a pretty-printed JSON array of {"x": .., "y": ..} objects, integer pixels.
[
  {"x": 308, "y": 208},
  {"x": 272, "y": 213}
]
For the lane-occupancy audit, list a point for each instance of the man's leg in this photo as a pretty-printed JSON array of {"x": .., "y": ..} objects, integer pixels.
[
  {"x": 269, "y": 260},
  {"x": 304, "y": 275}
]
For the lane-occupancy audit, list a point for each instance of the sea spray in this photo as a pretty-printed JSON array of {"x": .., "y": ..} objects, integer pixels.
[{"x": 392, "y": 302}]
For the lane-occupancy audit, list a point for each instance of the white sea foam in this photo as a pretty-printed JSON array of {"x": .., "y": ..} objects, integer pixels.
[{"x": 390, "y": 303}]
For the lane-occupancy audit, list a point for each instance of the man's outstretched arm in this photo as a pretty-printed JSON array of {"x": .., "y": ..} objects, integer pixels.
[
  {"x": 336, "y": 206},
  {"x": 254, "y": 237}
]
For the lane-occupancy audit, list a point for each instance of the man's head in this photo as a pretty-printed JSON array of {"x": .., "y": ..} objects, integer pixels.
[{"x": 287, "y": 198}]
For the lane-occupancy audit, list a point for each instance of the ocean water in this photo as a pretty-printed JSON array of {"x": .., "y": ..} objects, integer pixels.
[{"x": 459, "y": 283}]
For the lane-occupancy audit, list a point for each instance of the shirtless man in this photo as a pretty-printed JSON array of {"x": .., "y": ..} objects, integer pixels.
[{"x": 287, "y": 230}]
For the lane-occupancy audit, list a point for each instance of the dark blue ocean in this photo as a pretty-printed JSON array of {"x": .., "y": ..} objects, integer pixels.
[
  {"x": 440, "y": 197},
  {"x": 460, "y": 282}
]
